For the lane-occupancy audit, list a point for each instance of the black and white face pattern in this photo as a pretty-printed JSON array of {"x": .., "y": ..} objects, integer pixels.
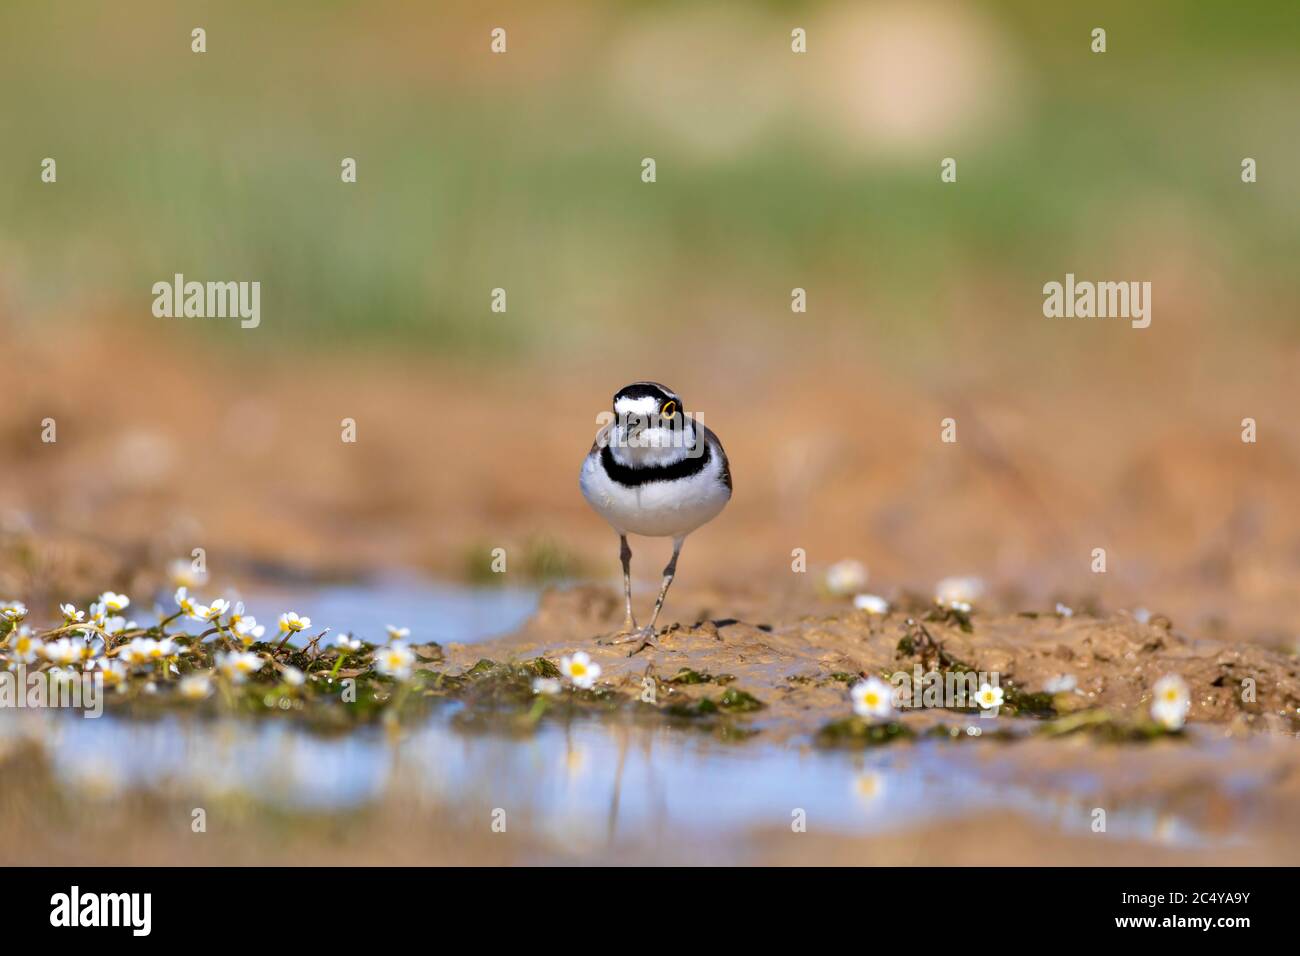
[{"x": 651, "y": 428}]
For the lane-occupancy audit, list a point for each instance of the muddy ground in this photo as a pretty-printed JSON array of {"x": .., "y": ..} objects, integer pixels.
[
  {"x": 1233, "y": 774},
  {"x": 244, "y": 459}
]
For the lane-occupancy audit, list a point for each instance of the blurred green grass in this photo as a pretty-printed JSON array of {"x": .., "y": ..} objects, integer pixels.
[{"x": 227, "y": 166}]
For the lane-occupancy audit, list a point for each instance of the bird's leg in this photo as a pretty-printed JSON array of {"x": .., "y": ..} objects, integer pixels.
[
  {"x": 625, "y": 555},
  {"x": 649, "y": 630},
  {"x": 629, "y": 631}
]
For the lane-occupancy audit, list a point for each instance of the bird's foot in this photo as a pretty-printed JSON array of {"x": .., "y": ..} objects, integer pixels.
[
  {"x": 642, "y": 637},
  {"x": 628, "y": 633}
]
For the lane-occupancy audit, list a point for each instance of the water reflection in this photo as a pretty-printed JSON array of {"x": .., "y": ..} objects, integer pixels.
[{"x": 644, "y": 783}]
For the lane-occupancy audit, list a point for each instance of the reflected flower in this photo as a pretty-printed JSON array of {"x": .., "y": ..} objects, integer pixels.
[
  {"x": 195, "y": 686},
  {"x": 547, "y": 686},
  {"x": 869, "y": 785}
]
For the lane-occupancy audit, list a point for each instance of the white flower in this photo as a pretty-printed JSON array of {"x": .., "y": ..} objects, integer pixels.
[
  {"x": 1060, "y": 684},
  {"x": 182, "y": 573},
  {"x": 211, "y": 612},
  {"x": 248, "y": 629},
  {"x": 189, "y": 605},
  {"x": 114, "y": 671},
  {"x": 395, "y": 660},
  {"x": 871, "y": 603},
  {"x": 115, "y": 624},
  {"x": 580, "y": 670},
  {"x": 1142, "y": 615},
  {"x": 294, "y": 677},
  {"x": 25, "y": 647},
  {"x": 291, "y": 622},
  {"x": 989, "y": 696},
  {"x": 346, "y": 642},
  {"x": 237, "y": 665},
  {"x": 140, "y": 650},
  {"x": 163, "y": 648},
  {"x": 871, "y": 698},
  {"x": 846, "y": 577},
  {"x": 71, "y": 615},
  {"x": 195, "y": 686},
  {"x": 959, "y": 593},
  {"x": 64, "y": 651},
  {"x": 13, "y": 610},
  {"x": 398, "y": 633},
  {"x": 547, "y": 685},
  {"x": 114, "y": 602},
  {"x": 1064, "y": 610},
  {"x": 1171, "y": 703}
]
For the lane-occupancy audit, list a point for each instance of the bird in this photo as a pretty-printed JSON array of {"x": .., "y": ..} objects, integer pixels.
[{"x": 657, "y": 472}]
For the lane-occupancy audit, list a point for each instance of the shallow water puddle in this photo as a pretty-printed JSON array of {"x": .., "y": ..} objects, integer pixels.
[
  {"x": 642, "y": 783},
  {"x": 434, "y": 612}
]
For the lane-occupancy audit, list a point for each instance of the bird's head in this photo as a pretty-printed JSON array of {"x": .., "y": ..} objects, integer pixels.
[{"x": 650, "y": 421}]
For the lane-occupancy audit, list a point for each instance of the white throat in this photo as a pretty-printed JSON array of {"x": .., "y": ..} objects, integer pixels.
[{"x": 653, "y": 447}]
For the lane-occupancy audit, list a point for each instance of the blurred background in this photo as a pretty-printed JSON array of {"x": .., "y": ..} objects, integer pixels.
[{"x": 522, "y": 171}]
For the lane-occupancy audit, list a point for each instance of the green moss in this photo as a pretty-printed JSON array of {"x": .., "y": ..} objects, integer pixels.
[
  {"x": 854, "y": 732},
  {"x": 1104, "y": 726},
  {"x": 738, "y": 701},
  {"x": 701, "y": 707},
  {"x": 1022, "y": 704},
  {"x": 688, "y": 675},
  {"x": 943, "y": 614},
  {"x": 482, "y": 668}
]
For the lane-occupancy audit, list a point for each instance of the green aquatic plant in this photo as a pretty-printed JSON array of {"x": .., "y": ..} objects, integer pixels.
[
  {"x": 688, "y": 675},
  {"x": 1104, "y": 726},
  {"x": 854, "y": 732}
]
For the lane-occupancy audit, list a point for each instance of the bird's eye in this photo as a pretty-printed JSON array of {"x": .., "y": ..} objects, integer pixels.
[{"x": 669, "y": 409}]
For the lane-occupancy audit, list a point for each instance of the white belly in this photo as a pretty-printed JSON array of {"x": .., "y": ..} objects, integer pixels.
[{"x": 657, "y": 509}]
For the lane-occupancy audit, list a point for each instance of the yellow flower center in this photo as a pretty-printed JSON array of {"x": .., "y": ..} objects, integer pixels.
[
  {"x": 871, "y": 698},
  {"x": 577, "y": 668}
]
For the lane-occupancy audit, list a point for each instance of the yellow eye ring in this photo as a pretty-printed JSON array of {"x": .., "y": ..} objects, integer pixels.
[{"x": 669, "y": 409}]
